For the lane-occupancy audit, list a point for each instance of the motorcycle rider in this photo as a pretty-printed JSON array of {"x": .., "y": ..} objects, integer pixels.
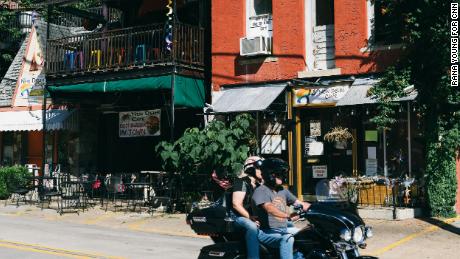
[
  {"x": 243, "y": 189},
  {"x": 271, "y": 200}
]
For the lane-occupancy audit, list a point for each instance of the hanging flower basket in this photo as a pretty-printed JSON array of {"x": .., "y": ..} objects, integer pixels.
[{"x": 339, "y": 136}]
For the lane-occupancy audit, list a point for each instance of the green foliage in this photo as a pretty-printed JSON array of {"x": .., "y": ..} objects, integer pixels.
[
  {"x": 441, "y": 188},
  {"x": 12, "y": 177},
  {"x": 387, "y": 91},
  {"x": 217, "y": 147},
  {"x": 426, "y": 42},
  {"x": 10, "y": 35}
]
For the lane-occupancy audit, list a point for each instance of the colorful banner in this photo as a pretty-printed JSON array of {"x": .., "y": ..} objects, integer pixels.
[
  {"x": 319, "y": 96},
  {"x": 139, "y": 123},
  {"x": 31, "y": 81}
]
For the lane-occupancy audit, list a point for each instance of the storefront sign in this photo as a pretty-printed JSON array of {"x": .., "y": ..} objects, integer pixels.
[
  {"x": 139, "y": 123},
  {"x": 319, "y": 171},
  {"x": 319, "y": 96},
  {"x": 371, "y": 167}
]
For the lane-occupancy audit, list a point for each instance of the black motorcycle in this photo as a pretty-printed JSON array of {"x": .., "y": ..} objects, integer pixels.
[{"x": 335, "y": 230}]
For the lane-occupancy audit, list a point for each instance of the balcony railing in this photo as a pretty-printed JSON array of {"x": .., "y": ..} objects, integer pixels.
[{"x": 125, "y": 49}]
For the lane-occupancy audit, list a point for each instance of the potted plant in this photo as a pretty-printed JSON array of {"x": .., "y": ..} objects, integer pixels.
[{"x": 339, "y": 136}]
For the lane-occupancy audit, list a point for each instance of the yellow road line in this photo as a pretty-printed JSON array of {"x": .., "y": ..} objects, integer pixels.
[
  {"x": 410, "y": 237},
  {"x": 53, "y": 251}
]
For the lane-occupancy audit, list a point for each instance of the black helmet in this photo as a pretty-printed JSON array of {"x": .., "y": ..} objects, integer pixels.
[{"x": 274, "y": 168}]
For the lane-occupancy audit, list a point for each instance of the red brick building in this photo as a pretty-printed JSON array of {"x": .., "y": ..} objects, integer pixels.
[{"x": 321, "y": 57}]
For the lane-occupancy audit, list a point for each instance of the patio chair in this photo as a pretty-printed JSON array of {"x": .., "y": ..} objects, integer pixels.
[
  {"x": 69, "y": 194},
  {"x": 49, "y": 190},
  {"x": 115, "y": 191}
]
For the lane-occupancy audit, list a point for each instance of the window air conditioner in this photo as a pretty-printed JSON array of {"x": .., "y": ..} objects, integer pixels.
[{"x": 255, "y": 46}]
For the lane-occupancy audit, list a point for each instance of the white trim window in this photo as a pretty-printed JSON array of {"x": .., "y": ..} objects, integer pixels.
[
  {"x": 385, "y": 23},
  {"x": 259, "y": 18}
]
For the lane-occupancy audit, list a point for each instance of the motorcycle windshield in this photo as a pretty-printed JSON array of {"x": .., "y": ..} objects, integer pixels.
[{"x": 331, "y": 190}]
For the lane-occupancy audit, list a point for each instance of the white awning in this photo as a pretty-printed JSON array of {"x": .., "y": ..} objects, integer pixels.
[
  {"x": 246, "y": 98},
  {"x": 32, "y": 120},
  {"x": 359, "y": 93}
]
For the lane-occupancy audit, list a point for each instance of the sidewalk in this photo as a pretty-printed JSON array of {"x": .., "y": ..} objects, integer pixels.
[{"x": 429, "y": 238}]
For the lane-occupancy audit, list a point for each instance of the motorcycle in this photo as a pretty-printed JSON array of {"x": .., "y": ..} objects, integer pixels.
[{"x": 335, "y": 230}]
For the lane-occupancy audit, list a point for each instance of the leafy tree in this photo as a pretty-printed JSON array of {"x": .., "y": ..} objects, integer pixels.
[
  {"x": 426, "y": 42},
  {"x": 216, "y": 147},
  {"x": 10, "y": 38}
]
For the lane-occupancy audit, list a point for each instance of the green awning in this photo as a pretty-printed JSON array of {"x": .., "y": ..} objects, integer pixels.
[{"x": 188, "y": 91}]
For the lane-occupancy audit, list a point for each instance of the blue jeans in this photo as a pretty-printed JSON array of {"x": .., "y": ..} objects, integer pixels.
[
  {"x": 278, "y": 238},
  {"x": 252, "y": 242}
]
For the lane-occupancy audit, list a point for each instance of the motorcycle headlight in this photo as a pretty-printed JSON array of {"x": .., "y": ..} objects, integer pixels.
[
  {"x": 358, "y": 235},
  {"x": 345, "y": 234},
  {"x": 369, "y": 232}
]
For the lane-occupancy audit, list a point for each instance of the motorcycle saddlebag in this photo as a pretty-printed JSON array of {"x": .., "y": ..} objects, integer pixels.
[
  {"x": 227, "y": 250},
  {"x": 211, "y": 220}
]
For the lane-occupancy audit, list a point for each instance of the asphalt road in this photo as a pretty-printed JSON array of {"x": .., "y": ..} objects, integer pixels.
[{"x": 20, "y": 238}]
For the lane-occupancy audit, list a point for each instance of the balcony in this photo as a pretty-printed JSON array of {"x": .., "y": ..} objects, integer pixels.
[{"x": 125, "y": 49}]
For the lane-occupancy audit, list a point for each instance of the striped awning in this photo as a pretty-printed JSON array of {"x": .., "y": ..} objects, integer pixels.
[{"x": 32, "y": 120}]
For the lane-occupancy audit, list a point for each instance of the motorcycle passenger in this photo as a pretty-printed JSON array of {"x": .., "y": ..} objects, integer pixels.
[
  {"x": 243, "y": 189},
  {"x": 271, "y": 201}
]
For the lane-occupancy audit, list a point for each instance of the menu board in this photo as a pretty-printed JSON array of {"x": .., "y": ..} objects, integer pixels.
[{"x": 139, "y": 123}]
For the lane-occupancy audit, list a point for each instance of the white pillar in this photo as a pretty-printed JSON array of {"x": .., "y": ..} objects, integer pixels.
[{"x": 409, "y": 143}]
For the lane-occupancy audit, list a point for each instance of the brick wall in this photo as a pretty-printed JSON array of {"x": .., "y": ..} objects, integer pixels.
[
  {"x": 228, "y": 26},
  {"x": 351, "y": 40}
]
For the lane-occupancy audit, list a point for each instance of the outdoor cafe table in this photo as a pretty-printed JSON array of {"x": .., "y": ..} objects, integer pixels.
[{"x": 136, "y": 187}]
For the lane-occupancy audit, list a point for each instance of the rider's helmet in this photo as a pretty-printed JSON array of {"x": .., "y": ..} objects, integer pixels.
[
  {"x": 251, "y": 164},
  {"x": 273, "y": 168}
]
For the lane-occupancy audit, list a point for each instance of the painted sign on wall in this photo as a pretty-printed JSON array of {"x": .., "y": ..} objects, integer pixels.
[
  {"x": 319, "y": 96},
  {"x": 139, "y": 123}
]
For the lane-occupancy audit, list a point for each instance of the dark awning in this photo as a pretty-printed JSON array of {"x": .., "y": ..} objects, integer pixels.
[
  {"x": 188, "y": 91},
  {"x": 246, "y": 98}
]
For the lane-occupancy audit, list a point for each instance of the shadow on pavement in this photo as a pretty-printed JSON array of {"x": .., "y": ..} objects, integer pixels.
[{"x": 442, "y": 225}]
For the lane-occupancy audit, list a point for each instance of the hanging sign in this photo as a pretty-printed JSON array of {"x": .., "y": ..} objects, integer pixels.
[
  {"x": 139, "y": 123},
  {"x": 319, "y": 171},
  {"x": 31, "y": 81},
  {"x": 319, "y": 96}
]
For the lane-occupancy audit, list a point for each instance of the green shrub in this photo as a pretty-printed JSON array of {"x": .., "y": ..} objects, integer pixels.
[{"x": 12, "y": 177}]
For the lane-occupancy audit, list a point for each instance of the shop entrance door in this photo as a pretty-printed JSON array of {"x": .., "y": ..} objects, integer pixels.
[{"x": 321, "y": 159}]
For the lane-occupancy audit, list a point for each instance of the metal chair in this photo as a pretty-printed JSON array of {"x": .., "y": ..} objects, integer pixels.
[{"x": 115, "y": 191}]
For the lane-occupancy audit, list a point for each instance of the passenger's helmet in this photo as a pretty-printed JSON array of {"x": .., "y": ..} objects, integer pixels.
[
  {"x": 251, "y": 164},
  {"x": 273, "y": 168}
]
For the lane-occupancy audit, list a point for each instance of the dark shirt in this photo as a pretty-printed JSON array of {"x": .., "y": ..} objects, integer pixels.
[
  {"x": 244, "y": 185},
  {"x": 280, "y": 199}
]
